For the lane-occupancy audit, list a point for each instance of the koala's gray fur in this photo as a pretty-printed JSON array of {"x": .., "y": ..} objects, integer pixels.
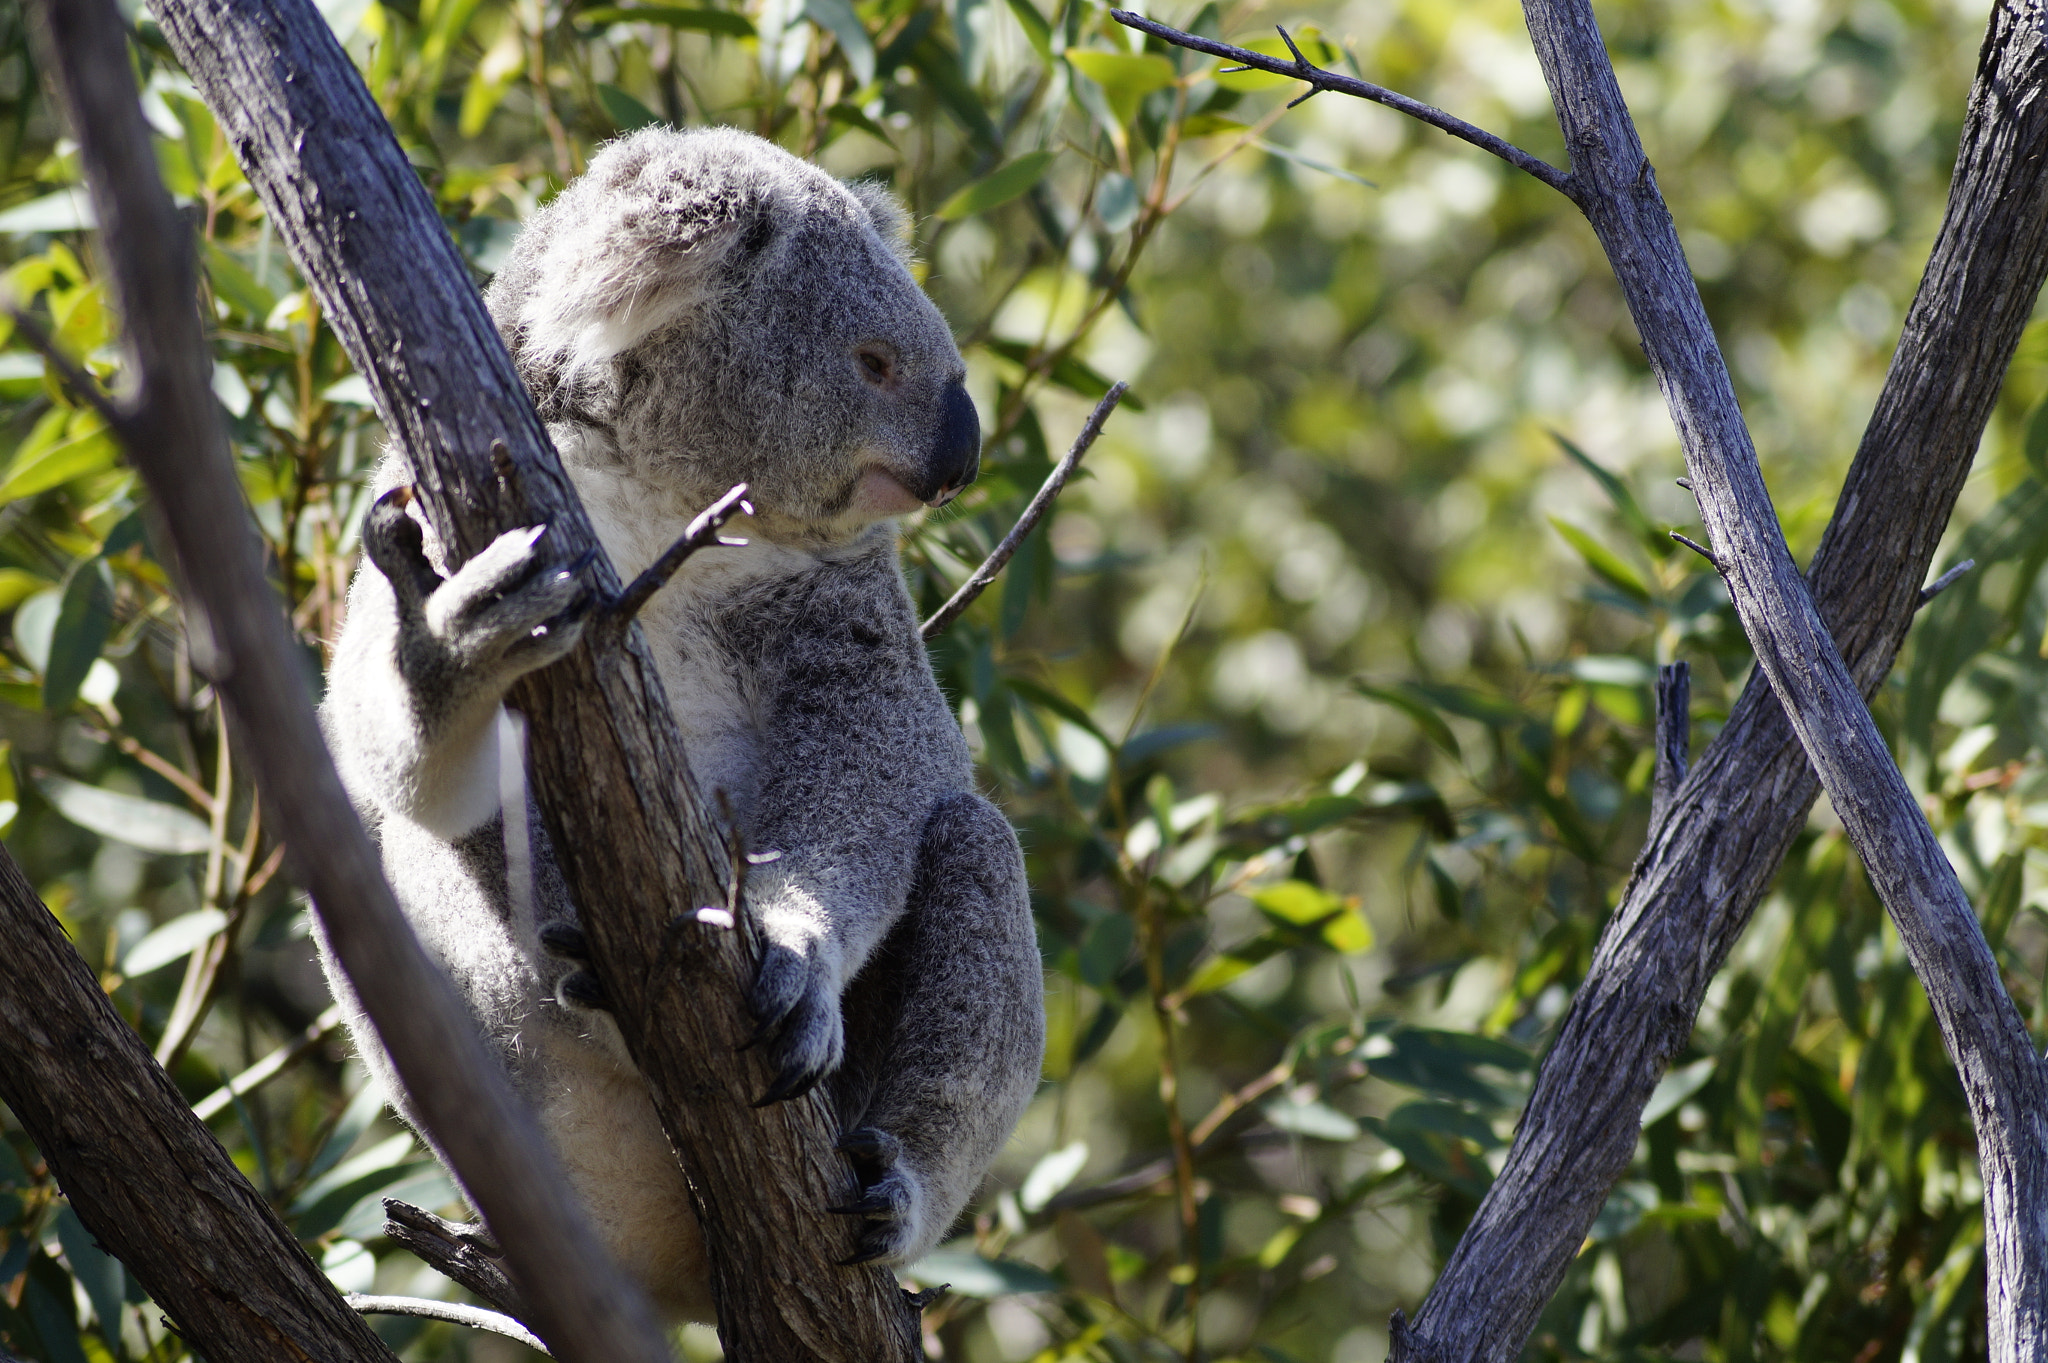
[{"x": 703, "y": 309}]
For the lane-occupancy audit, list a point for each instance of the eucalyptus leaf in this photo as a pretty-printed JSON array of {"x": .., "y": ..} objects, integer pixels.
[{"x": 147, "y": 824}]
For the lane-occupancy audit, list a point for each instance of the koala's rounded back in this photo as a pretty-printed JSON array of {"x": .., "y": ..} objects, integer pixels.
[{"x": 708, "y": 309}]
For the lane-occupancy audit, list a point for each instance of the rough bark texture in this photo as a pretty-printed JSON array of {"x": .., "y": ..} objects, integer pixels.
[
  {"x": 242, "y": 641},
  {"x": 1710, "y": 860},
  {"x": 607, "y": 763},
  {"x": 145, "y": 1175}
]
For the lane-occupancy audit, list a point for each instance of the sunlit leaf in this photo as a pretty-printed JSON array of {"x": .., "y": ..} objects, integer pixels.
[
  {"x": 147, "y": 824},
  {"x": 1053, "y": 1172},
  {"x": 85, "y": 616},
  {"x": 970, "y": 1275},
  {"x": 998, "y": 187},
  {"x": 1308, "y": 1117},
  {"x": 1604, "y": 562},
  {"x": 174, "y": 941}
]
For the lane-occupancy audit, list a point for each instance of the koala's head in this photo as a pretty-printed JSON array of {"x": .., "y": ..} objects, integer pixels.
[{"x": 708, "y": 309}]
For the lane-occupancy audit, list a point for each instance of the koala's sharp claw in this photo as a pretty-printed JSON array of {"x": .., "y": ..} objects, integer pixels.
[
  {"x": 789, "y": 1085},
  {"x": 875, "y": 1244},
  {"x": 877, "y": 1204},
  {"x": 585, "y": 990},
  {"x": 397, "y": 546},
  {"x": 869, "y": 1145},
  {"x": 566, "y": 940}
]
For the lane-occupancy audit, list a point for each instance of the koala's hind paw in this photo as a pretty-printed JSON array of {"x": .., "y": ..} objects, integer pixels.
[
  {"x": 890, "y": 1197},
  {"x": 797, "y": 1017}
]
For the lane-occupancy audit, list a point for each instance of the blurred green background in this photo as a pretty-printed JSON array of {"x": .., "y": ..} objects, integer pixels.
[{"x": 1322, "y": 701}]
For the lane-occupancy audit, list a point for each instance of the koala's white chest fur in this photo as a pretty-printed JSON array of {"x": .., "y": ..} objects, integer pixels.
[{"x": 710, "y": 698}]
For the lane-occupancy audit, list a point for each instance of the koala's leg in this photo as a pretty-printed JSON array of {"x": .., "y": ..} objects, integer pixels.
[
  {"x": 945, "y": 1034},
  {"x": 423, "y": 663}
]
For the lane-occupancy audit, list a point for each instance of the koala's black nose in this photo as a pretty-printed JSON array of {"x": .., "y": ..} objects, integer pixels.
[{"x": 956, "y": 454}]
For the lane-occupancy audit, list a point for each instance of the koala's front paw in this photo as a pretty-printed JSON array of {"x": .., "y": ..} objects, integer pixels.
[
  {"x": 797, "y": 1008},
  {"x": 580, "y": 988},
  {"x": 891, "y": 1197},
  {"x": 508, "y": 611}
]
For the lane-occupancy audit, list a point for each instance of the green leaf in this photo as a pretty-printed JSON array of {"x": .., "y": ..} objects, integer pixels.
[
  {"x": 1054, "y": 1171},
  {"x": 236, "y": 283},
  {"x": 425, "y": 1185},
  {"x": 67, "y": 210},
  {"x": 1068, "y": 372},
  {"x": 1604, "y": 562},
  {"x": 1036, "y": 29},
  {"x": 174, "y": 941},
  {"x": 85, "y": 615},
  {"x": 1648, "y": 531},
  {"x": 85, "y": 448},
  {"x": 1335, "y": 920},
  {"x": 970, "y": 1275},
  {"x": 2035, "y": 446},
  {"x": 1048, "y": 699},
  {"x": 626, "y": 113},
  {"x": 95, "y": 1270},
  {"x": 837, "y": 18},
  {"x": 672, "y": 16},
  {"x": 1226, "y": 966},
  {"x": 1105, "y": 949},
  {"x": 146, "y": 824},
  {"x": 1135, "y": 74},
  {"x": 1307, "y": 1117},
  {"x": 848, "y": 115},
  {"x": 998, "y": 188},
  {"x": 1425, "y": 716}
]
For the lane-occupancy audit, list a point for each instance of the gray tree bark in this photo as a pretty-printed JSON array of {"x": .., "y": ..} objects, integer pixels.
[
  {"x": 1711, "y": 858},
  {"x": 1715, "y": 845},
  {"x": 243, "y": 643},
  {"x": 607, "y": 763},
  {"x": 145, "y": 1175}
]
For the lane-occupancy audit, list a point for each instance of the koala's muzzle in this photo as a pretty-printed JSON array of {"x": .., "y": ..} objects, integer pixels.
[{"x": 955, "y": 457}]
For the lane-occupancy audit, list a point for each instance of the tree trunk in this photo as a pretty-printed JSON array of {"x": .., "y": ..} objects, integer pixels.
[{"x": 624, "y": 816}]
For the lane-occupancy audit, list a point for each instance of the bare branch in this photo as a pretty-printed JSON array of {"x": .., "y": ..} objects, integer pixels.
[
  {"x": 475, "y": 1317},
  {"x": 702, "y": 531},
  {"x": 75, "y": 380},
  {"x": 463, "y": 1254},
  {"x": 1945, "y": 581},
  {"x": 1319, "y": 79},
  {"x": 1701, "y": 550},
  {"x": 1713, "y": 857},
  {"x": 242, "y": 640},
  {"x": 978, "y": 583}
]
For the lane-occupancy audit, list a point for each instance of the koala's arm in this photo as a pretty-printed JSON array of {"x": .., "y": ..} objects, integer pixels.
[
  {"x": 423, "y": 663},
  {"x": 856, "y": 748}
]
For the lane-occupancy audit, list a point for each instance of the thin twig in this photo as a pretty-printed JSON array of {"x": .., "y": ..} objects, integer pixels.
[
  {"x": 702, "y": 531},
  {"x": 76, "y": 380},
  {"x": 1945, "y": 581},
  {"x": 475, "y": 1317},
  {"x": 1699, "y": 549},
  {"x": 986, "y": 573},
  {"x": 269, "y": 1067},
  {"x": 1319, "y": 80}
]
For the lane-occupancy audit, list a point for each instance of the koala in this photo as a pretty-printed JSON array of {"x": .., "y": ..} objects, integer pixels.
[{"x": 702, "y": 309}]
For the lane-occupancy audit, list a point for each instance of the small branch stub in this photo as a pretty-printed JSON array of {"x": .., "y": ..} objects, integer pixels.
[
  {"x": 701, "y": 532},
  {"x": 1057, "y": 479}
]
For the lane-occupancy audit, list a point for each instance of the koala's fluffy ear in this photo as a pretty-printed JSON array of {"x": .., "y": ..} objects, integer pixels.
[
  {"x": 644, "y": 236},
  {"x": 891, "y": 222}
]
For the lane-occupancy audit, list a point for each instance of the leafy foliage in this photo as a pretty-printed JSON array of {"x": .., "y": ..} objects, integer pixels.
[{"x": 1322, "y": 700}]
